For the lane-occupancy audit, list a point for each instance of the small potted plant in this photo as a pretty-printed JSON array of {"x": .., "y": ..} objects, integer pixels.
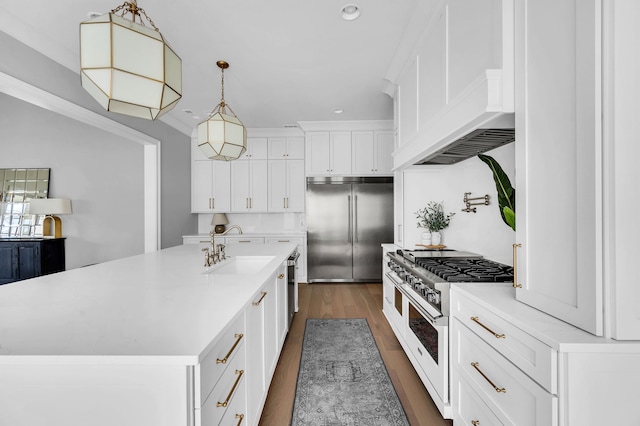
[{"x": 433, "y": 219}]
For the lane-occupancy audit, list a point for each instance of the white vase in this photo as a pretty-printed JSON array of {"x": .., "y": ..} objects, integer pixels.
[
  {"x": 436, "y": 238},
  {"x": 425, "y": 238}
]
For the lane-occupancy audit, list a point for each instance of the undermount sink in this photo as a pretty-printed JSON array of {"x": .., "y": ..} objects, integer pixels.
[{"x": 240, "y": 265}]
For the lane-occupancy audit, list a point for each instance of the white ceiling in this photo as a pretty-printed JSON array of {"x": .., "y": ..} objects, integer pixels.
[{"x": 290, "y": 60}]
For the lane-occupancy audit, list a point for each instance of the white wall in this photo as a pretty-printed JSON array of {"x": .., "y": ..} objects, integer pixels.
[
  {"x": 98, "y": 171},
  {"x": 483, "y": 232}
]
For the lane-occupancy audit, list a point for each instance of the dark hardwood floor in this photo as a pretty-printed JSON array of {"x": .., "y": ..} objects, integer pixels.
[{"x": 347, "y": 301}]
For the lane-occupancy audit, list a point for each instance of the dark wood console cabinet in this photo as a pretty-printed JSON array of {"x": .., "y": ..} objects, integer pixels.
[{"x": 27, "y": 258}]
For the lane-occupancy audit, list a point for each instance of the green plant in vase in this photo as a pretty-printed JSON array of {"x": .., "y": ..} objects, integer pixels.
[
  {"x": 506, "y": 192},
  {"x": 434, "y": 219}
]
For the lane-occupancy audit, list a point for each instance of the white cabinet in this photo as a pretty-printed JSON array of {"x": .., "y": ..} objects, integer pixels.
[
  {"x": 287, "y": 188},
  {"x": 220, "y": 377},
  {"x": 263, "y": 343},
  {"x": 515, "y": 365},
  {"x": 328, "y": 153},
  {"x": 249, "y": 186},
  {"x": 286, "y": 148},
  {"x": 301, "y": 265},
  {"x": 210, "y": 186},
  {"x": 257, "y": 149},
  {"x": 558, "y": 160},
  {"x": 371, "y": 152}
]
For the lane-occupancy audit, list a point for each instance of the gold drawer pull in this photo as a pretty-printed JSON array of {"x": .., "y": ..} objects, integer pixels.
[
  {"x": 233, "y": 389},
  {"x": 264, "y": 293},
  {"x": 226, "y": 357},
  {"x": 499, "y": 390},
  {"x": 281, "y": 276},
  {"x": 498, "y": 336},
  {"x": 241, "y": 417},
  {"x": 475, "y": 422},
  {"x": 515, "y": 266}
]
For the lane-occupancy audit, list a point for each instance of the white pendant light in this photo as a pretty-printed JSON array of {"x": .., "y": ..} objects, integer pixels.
[
  {"x": 222, "y": 136},
  {"x": 127, "y": 67}
]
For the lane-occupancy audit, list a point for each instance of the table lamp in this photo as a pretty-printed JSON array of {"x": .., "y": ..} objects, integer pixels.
[
  {"x": 50, "y": 207},
  {"x": 219, "y": 220}
]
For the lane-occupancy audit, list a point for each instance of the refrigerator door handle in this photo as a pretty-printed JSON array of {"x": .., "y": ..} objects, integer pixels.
[
  {"x": 355, "y": 218},
  {"x": 349, "y": 230}
]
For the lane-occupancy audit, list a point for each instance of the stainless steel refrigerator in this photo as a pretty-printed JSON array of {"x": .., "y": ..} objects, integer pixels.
[{"x": 347, "y": 220}]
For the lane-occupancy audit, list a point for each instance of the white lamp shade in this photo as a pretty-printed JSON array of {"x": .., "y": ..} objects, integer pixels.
[
  {"x": 222, "y": 137},
  {"x": 49, "y": 206},
  {"x": 129, "y": 68},
  {"x": 219, "y": 219}
]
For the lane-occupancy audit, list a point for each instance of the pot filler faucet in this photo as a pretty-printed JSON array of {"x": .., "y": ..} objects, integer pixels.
[{"x": 216, "y": 254}]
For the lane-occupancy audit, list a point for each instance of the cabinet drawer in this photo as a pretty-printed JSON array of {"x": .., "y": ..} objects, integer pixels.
[
  {"x": 229, "y": 388},
  {"x": 529, "y": 354},
  {"x": 227, "y": 349},
  {"x": 470, "y": 407},
  {"x": 500, "y": 383},
  {"x": 292, "y": 240},
  {"x": 233, "y": 240},
  {"x": 236, "y": 414}
]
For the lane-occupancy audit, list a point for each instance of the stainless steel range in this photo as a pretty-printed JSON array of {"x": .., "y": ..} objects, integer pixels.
[{"x": 417, "y": 305}]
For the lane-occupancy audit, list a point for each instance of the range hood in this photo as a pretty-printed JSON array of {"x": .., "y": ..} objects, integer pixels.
[{"x": 476, "y": 142}]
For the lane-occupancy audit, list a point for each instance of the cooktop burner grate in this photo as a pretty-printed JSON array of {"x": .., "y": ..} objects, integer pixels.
[{"x": 467, "y": 270}]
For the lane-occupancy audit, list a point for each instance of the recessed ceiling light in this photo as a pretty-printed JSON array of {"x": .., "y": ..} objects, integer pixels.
[
  {"x": 92, "y": 15},
  {"x": 187, "y": 111},
  {"x": 350, "y": 12},
  {"x": 290, "y": 126},
  {"x": 338, "y": 111}
]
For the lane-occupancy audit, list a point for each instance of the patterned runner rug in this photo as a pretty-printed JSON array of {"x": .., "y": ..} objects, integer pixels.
[{"x": 342, "y": 378}]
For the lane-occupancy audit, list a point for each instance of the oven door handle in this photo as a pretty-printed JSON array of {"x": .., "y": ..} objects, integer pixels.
[{"x": 439, "y": 320}]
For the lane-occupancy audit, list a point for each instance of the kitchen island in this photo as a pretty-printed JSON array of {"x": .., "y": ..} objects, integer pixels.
[{"x": 145, "y": 340}]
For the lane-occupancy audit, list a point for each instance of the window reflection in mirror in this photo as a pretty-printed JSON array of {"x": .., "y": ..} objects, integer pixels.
[{"x": 16, "y": 187}]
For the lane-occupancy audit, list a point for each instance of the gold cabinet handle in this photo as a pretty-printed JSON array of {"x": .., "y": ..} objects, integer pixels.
[
  {"x": 240, "y": 417},
  {"x": 281, "y": 276},
  {"x": 477, "y": 321},
  {"x": 499, "y": 390},
  {"x": 233, "y": 348},
  {"x": 515, "y": 266},
  {"x": 264, "y": 293},
  {"x": 233, "y": 389}
]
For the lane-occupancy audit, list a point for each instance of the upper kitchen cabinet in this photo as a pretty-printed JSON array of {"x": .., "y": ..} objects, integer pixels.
[
  {"x": 287, "y": 191},
  {"x": 286, "y": 148},
  {"x": 249, "y": 187},
  {"x": 349, "y": 148},
  {"x": 371, "y": 153},
  {"x": 457, "y": 78},
  {"x": 328, "y": 153},
  {"x": 558, "y": 160},
  {"x": 210, "y": 186},
  {"x": 257, "y": 149}
]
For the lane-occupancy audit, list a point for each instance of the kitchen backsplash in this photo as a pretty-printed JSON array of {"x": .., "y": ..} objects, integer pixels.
[
  {"x": 483, "y": 232},
  {"x": 259, "y": 222}
]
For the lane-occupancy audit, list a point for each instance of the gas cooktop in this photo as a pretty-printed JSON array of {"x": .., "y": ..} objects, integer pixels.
[{"x": 470, "y": 269}]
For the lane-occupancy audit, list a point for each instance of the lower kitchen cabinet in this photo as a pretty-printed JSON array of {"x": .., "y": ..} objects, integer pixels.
[
  {"x": 515, "y": 365},
  {"x": 264, "y": 341},
  {"x": 27, "y": 258}
]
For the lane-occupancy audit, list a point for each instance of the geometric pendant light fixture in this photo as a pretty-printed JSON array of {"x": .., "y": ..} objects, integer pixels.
[
  {"x": 222, "y": 136},
  {"x": 127, "y": 67}
]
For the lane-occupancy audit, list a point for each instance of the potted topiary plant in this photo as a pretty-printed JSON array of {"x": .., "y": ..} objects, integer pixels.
[{"x": 434, "y": 219}]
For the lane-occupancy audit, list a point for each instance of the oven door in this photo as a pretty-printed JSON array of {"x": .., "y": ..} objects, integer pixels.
[{"x": 428, "y": 340}]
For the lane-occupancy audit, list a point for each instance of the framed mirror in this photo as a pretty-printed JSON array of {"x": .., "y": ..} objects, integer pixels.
[{"x": 16, "y": 187}]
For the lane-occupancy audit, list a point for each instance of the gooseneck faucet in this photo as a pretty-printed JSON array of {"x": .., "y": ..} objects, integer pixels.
[{"x": 217, "y": 254}]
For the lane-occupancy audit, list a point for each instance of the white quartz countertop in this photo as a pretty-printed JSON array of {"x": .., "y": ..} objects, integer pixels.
[
  {"x": 155, "y": 308},
  {"x": 233, "y": 234}
]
